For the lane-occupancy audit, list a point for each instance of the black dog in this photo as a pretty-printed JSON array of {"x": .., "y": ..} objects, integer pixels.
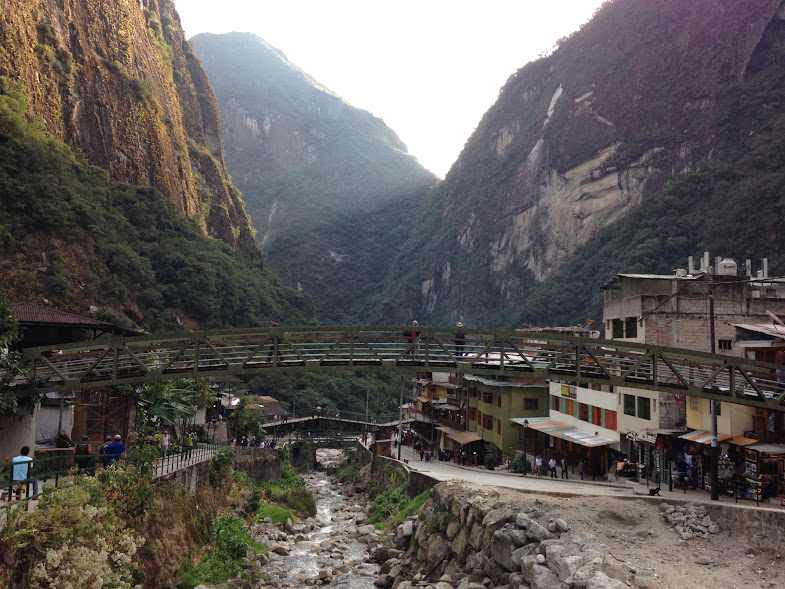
[{"x": 654, "y": 491}]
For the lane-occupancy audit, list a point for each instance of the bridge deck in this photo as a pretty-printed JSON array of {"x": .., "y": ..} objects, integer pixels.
[{"x": 502, "y": 353}]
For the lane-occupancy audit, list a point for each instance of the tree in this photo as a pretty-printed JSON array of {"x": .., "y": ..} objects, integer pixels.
[
  {"x": 17, "y": 401},
  {"x": 175, "y": 402}
]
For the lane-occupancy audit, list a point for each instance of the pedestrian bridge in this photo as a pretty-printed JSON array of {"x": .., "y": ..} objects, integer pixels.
[{"x": 513, "y": 354}]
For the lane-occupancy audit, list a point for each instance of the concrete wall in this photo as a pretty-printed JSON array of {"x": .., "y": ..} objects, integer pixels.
[
  {"x": 15, "y": 433},
  {"x": 384, "y": 467},
  {"x": 261, "y": 464}
]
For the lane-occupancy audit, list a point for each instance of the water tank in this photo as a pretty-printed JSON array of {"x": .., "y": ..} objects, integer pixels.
[{"x": 727, "y": 267}]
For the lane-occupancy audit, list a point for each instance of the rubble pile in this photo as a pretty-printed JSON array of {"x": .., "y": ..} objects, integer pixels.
[
  {"x": 689, "y": 520},
  {"x": 459, "y": 541}
]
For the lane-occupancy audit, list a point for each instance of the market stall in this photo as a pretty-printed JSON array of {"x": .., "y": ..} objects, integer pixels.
[{"x": 763, "y": 469}]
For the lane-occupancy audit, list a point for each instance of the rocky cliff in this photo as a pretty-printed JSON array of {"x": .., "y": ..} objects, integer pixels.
[
  {"x": 577, "y": 140},
  {"x": 119, "y": 80}
]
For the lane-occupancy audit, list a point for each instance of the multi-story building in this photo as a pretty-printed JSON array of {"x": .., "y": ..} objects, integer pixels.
[
  {"x": 493, "y": 404},
  {"x": 705, "y": 310}
]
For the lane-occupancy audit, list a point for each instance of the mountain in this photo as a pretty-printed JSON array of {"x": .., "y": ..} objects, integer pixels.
[
  {"x": 647, "y": 136},
  {"x": 322, "y": 180},
  {"x": 115, "y": 196}
]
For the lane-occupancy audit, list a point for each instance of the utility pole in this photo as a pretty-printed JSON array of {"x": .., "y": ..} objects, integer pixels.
[{"x": 715, "y": 492}]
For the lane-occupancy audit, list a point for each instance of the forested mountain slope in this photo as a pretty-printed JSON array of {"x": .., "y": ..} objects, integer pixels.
[
  {"x": 329, "y": 187},
  {"x": 114, "y": 198},
  {"x": 649, "y": 135}
]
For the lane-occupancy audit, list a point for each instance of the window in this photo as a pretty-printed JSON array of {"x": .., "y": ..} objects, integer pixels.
[
  {"x": 610, "y": 419},
  {"x": 531, "y": 404},
  {"x": 631, "y": 327},
  {"x": 644, "y": 407},
  {"x": 618, "y": 328},
  {"x": 499, "y": 401},
  {"x": 583, "y": 412},
  {"x": 694, "y": 403},
  {"x": 487, "y": 397},
  {"x": 487, "y": 421},
  {"x": 499, "y": 427},
  {"x": 725, "y": 344},
  {"x": 472, "y": 414},
  {"x": 629, "y": 405}
]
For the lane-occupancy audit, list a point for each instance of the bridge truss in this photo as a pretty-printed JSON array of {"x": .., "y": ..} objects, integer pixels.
[{"x": 141, "y": 359}]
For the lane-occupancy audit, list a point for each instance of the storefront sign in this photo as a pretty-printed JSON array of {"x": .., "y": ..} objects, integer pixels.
[{"x": 569, "y": 392}]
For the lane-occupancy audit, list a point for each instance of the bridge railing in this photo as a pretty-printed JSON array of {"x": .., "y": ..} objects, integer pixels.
[{"x": 537, "y": 355}]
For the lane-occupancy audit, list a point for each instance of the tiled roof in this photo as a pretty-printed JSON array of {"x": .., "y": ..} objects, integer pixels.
[{"x": 30, "y": 313}]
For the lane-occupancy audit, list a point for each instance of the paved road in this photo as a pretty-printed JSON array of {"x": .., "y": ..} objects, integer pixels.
[{"x": 445, "y": 471}]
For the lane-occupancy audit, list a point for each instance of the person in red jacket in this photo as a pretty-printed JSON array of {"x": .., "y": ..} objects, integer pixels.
[{"x": 413, "y": 337}]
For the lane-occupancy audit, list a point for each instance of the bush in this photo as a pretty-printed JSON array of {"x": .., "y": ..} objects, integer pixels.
[
  {"x": 221, "y": 466},
  {"x": 83, "y": 535}
]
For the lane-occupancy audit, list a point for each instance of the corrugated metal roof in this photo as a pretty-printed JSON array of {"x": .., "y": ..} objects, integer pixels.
[
  {"x": 765, "y": 328},
  {"x": 32, "y": 313}
]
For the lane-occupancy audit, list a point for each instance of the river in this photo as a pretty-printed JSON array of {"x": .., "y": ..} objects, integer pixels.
[{"x": 323, "y": 547}]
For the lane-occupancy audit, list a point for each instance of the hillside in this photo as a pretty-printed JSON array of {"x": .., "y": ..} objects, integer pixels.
[
  {"x": 115, "y": 197},
  {"x": 320, "y": 177},
  {"x": 616, "y": 152}
]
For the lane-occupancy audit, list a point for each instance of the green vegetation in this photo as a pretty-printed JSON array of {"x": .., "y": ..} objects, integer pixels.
[
  {"x": 83, "y": 535},
  {"x": 19, "y": 403},
  {"x": 122, "y": 246},
  {"x": 221, "y": 466},
  {"x": 391, "y": 503},
  {"x": 230, "y": 541},
  {"x": 332, "y": 202}
]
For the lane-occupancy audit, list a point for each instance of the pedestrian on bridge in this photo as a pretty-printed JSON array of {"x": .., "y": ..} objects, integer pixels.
[
  {"x": 413, "y": 337},
  {"x": 460, "y": 340},
  {"x": 275, "y": 341}
]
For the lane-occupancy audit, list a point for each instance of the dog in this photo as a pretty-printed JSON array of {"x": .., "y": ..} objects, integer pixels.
[{"x": 654, "y": 491}]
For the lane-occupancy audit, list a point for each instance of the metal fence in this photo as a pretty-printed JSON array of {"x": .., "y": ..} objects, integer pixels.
[{"x": 57, "y": 468}]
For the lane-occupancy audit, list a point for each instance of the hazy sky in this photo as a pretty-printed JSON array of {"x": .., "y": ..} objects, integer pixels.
[{"x": 429, "y": 68}]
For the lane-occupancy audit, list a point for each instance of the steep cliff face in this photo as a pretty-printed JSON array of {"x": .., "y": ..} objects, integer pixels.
[
  {"x": 578, "y": 139},
  {"x": 119, "y": 80}
]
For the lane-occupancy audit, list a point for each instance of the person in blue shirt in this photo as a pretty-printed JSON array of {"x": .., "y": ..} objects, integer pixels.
[
  {"x": 114, "y": 451},
  {"x": 22, "y": 471}
]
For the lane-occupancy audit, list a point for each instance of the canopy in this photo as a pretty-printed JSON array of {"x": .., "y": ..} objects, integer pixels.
[
  {"x": 564, "y": 431},
  {"x": 767, "y": 448},
  {"x": 464, "y": 437},
  {"x": 460, "y": 437},
  {"x": 702, "y": 436}
]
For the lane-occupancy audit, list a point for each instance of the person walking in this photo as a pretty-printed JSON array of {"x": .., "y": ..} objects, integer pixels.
[
  {"x": 115, "y": 451},
  {"x": 22, "y": 472},
  {"x": 563, "y": 463},
  {"x": 460, "y": 340},
  {"x": 413, "y": 337},
  {"x": 84, "y": 455},
  {"x": 165, "y": 441},
  {"x": 538, "y": 465},
  {"x": 552, "y": 465},
  {"x": 275, "y": 342},
  {"x": 581, "y": 466}
]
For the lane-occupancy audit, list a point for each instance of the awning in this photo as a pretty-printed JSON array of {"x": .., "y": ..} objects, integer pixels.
[
  {"x": 702, "y": 436},
  {"x": 767, "y": 448},
  {"x": 449, "y": 407},
  {"x": 665, "y": 431},
  {"x": 564, "y": 431},
  {"x": 464, "y": 437},
  {"x": 740, "y": 441},
  {"x": 423, "y": 399}
]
